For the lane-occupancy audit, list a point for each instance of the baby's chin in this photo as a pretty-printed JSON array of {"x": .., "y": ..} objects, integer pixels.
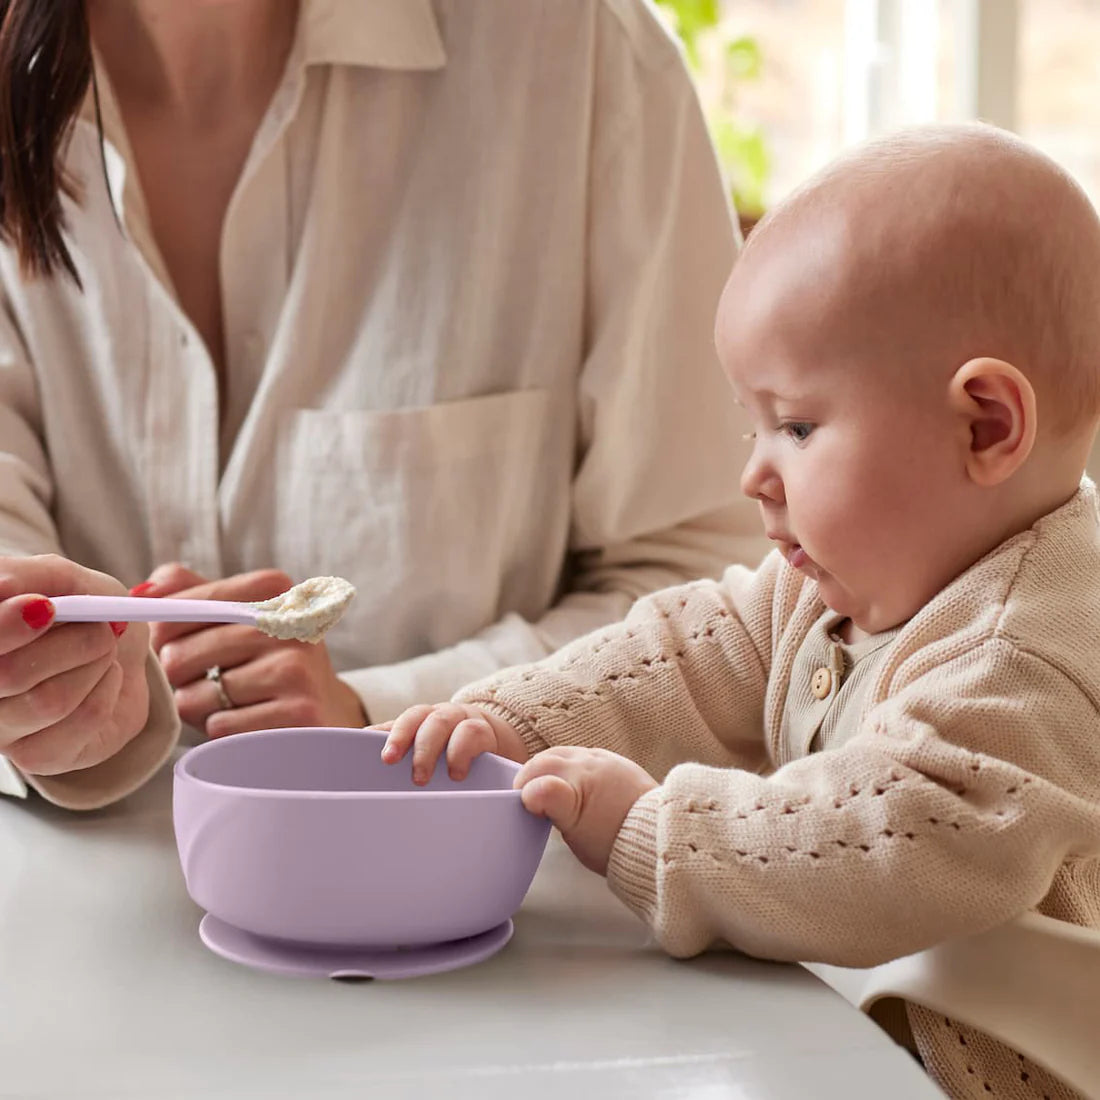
[
  {"x": 865, "y": 616},
  {"x": 841, "y": 599},
  {"x": 832, "y": 593}
]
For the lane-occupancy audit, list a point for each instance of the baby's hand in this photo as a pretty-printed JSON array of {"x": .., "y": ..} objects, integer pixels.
[
  {"x": 462, "y": 730},
  {"x": 587, "y": 794}
]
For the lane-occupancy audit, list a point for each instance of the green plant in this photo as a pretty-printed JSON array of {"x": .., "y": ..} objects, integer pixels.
[{"x": 723, "y": 63}]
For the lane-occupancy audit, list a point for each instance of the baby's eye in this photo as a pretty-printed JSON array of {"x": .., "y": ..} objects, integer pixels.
[{"x": 798, "y": 430}]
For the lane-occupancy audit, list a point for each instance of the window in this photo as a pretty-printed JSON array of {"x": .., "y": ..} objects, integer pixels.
[
  {"x": 1058, "y": 90},
  {"x": 818, "y": 75}
]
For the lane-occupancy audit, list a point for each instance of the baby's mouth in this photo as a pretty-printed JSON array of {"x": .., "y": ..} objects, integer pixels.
[{"x": 797, "y": 558}]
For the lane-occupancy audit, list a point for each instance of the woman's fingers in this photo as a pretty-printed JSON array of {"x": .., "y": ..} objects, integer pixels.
[
  {"x": 22, "y": 620},
  {"x": 49, "y": 653},
  {"x": 167, "y": 579},
  {"x": 43, "y": 682},
  {"x": 186, "y": 659},
  {"x": 265, "y": 673},
  {"x": 297, "y": 679},
  {"x": 51, "y": 575},
  {"x": 51, "y": 701},
  {"x": 71, "y": 694},
  {"x": 272, "y": 714},
  {"x": 260, "y": 584},
  {"x": 78, "y": 738}
]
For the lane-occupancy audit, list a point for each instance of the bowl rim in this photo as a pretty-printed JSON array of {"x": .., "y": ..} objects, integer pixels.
[{"x": 181, "y": 771}]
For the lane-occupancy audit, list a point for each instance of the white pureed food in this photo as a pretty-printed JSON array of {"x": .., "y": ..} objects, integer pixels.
[{"x": 305, "y": 611}]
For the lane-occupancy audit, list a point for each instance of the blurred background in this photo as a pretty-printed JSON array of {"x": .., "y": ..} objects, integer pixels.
[{"x": 787, "y": 84}]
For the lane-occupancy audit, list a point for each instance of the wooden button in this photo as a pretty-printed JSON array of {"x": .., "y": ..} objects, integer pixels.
[{"x": 822, "y": 683}]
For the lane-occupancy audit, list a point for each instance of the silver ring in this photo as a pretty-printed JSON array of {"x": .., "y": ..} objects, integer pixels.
[{"x": 214, "y": 675}]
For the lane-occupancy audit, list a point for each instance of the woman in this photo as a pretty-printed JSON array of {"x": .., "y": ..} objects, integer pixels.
[{"x": 415, "y": 293}]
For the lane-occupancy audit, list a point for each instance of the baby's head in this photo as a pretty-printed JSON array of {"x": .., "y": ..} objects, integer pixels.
[{"x": 915, "y": 334}]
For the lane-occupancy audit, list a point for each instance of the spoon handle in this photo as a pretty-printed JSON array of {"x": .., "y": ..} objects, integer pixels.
[{"x": 144, "y": 609}]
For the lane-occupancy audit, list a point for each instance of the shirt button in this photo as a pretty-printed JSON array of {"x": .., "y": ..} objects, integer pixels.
[{"x": 822, "y": 683}]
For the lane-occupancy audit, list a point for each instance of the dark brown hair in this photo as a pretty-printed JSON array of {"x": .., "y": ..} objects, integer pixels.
[{"x": 45, "y": 67}]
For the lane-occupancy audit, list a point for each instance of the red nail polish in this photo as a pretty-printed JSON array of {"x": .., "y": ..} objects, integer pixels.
[
  {"x": 38, "y": 613},
  {"x": 119, "y": 629},
  {"x": 142, "y": 589}
]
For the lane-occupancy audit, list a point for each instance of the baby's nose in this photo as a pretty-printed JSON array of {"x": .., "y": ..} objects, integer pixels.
[{"x": 760, "y": 481}]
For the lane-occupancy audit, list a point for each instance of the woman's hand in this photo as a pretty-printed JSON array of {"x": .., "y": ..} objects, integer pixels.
[
  {"x": 71, "y": 694},
  {"x": 587, "y": 794},
  {"x": 459, "y": 730},
  {"x": 271, "y": 683}
]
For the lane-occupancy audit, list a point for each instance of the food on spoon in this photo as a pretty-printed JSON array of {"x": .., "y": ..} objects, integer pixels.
[{"x": 305, "y": 611}]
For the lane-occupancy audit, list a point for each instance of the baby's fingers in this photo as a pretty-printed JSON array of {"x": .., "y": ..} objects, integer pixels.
[
  {"x": 426, "y": 729},
  {"x": 555, "y": 798},
  {"x": 471, "y": 737},
  {"x": 431, "y": 739},
  {"x": 403, "y": 732}
]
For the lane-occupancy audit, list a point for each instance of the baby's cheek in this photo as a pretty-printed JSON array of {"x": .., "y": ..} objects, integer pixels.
[
  {"x": 849, "y": 533},
  {"x": 824, "y": 516}
]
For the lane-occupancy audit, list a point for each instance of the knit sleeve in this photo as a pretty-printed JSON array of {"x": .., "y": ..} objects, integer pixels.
[
  {"x": 683, "y": 677},
  {"x": 949, "y": 811}
]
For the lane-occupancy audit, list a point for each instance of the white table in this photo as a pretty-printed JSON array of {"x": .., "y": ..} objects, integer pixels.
[{"x": 106, "y": 992}]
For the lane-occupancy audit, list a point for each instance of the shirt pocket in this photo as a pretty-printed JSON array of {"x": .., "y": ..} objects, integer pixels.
[{"x": 424, "y": 509}]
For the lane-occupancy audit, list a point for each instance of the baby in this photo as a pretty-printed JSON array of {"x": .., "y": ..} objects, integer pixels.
[{"x": 888, "y": 734}]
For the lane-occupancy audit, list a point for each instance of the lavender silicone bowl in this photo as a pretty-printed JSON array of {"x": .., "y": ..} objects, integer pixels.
[{"x": 304, "y": 835}]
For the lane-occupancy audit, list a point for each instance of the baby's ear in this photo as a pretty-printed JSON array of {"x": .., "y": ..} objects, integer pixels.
[{"x": 997, "y": 403}]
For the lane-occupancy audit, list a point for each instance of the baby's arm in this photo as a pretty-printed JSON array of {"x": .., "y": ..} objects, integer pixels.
[
  {"x": 951, "y": 811},
  {"x": 683, "y": 677}
]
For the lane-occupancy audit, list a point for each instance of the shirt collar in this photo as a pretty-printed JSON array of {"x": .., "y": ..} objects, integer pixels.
[{"x": 388, "y": 34}]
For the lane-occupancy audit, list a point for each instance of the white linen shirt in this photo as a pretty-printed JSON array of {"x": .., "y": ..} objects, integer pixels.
[{"x": 469, "y": 276}]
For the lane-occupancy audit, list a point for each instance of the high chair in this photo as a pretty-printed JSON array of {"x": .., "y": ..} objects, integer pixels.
[{"x": 1033, "y": 983}]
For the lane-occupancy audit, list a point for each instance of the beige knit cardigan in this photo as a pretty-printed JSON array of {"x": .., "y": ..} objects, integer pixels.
[{"x": 969, "y": 794}]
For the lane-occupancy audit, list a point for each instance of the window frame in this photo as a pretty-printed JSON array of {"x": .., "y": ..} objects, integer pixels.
[{"x": 891, "y": 60}]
